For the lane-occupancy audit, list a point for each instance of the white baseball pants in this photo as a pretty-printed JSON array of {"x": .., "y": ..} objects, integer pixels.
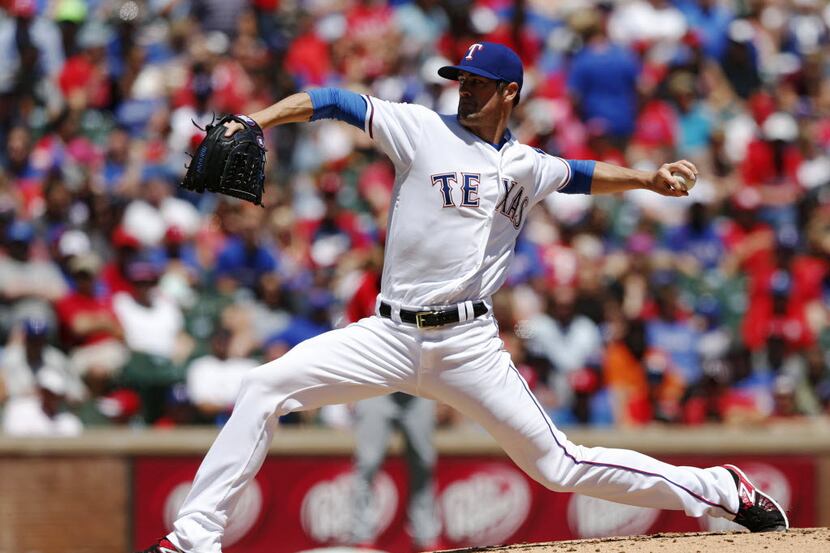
[{"x": 463, "y": 365}]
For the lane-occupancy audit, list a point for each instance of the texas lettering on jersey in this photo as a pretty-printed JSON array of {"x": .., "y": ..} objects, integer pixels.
[
  {"x": 469, "y": 188},
  {"x": 512, "y": 204}
]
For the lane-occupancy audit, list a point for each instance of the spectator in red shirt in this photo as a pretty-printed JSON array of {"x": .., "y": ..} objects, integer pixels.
[
  {"x": 89, "y": 328},
  {"x": 308, "y": 58},
  {"x": 773, "y": 158},
  {"x": 114, "y": 274},
  {"x": 516, "y": 34},
  {"x": 806, "y": 271},
  {"x": 708, "y": 401},
  {"x": 362, "y": 303},
  {"x": 775, "y": 314},
  {"x": 84, "y": 79},
  {"x": 370, "y": 44},
  {"x": 460, "y": 33},
  {"x": 772, "y": 164},
  {"x": 656, "y": 126},
  {"x": 749, "y": 241}
]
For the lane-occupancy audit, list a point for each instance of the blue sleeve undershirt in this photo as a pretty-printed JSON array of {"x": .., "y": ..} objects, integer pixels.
[
  {"x": 582, "y": 174},
  {"x": 336, "y": 103}
]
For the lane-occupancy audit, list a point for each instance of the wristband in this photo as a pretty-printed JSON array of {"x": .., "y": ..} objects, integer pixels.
[{"x": 250, "y": 122}]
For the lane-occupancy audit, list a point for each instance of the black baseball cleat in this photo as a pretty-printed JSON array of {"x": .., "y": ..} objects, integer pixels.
[
  {"x": 162, "y": 546},
  {"x": 757, "y": 511}
]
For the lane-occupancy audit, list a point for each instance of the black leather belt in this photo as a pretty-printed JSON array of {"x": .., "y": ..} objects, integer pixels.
[{"x": 438, "y": 316}]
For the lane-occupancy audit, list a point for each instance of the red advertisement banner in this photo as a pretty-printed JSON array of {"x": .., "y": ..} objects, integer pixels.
[{"x": 304, "y": 503}]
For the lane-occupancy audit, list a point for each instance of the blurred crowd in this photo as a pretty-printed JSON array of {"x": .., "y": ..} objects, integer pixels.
[{"x": 126, "y": 300}]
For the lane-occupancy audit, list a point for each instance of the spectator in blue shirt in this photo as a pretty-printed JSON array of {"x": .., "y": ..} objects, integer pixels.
[
  {"x": 117, "y": 158},
  {"x": 693, "y": 117},
  {"x": 244, "y": 259},
  {"x": 710, "y": 19},
  {"x": 697, "y": 238},
  {"x": 603, "y": 81},
  {"x": 677, "y": 337},
  {"x": 740, "y": 60}
]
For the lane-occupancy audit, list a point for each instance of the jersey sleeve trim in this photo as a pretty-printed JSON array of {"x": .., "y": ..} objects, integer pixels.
[
  {"x": 569, "y": 175},
  {"x": 371, "y": 117}
]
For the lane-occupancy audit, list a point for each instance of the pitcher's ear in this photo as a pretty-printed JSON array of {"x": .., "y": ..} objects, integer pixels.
[{"x": 511, "y": 92}]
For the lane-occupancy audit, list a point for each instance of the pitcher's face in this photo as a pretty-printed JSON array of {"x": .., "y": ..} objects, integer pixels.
[{"x": 479, "y": 98}]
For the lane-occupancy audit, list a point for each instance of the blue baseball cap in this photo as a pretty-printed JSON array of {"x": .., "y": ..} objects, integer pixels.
[
  {"x": 20, "y": 231},
  {"x": 490, "y": 60},
  {"x": 35, "y": 327}
]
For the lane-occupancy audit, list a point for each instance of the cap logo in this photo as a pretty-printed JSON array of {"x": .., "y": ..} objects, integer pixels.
[{"x": 472, "y": 50}]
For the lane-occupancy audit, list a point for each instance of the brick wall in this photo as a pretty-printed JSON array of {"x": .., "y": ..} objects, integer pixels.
[{"x": 63, "y": 505}]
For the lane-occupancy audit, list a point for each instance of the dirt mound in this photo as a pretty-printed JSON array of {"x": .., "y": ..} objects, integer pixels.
[{"x": 796, "y": 540}]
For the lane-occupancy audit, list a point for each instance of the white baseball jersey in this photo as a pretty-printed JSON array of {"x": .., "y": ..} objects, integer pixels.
[{"x": 458, "y": 204}]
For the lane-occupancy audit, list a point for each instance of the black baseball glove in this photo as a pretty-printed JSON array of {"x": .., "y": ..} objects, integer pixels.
[{"x": 232, "y": 165}]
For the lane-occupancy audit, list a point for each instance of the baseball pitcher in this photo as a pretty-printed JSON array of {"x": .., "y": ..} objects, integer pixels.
[{"x": 464, "y": 186}]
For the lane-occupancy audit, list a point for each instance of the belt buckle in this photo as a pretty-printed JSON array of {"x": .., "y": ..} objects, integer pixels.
[{"x": 419, "y": 318}]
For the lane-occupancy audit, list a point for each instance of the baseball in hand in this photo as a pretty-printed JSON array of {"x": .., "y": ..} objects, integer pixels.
[{"x": 683, "y": 181}]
